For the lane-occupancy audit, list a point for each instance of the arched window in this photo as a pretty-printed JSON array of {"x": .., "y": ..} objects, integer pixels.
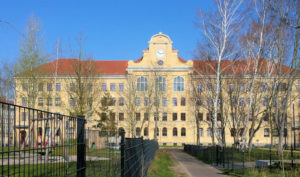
[
  {"x": 146, "y": 132},
  {"x": 175, "y": 131},
  {"x": 142, "y": 83},
  {"x": 138, "y": 131},
  {"x": 160, "y": 83},
  {"x": 121, "y": 129},
  {"x": 165, "y": 132},
  {"x": 183, "y": 132},
  {"x": 178, "y": 83}
]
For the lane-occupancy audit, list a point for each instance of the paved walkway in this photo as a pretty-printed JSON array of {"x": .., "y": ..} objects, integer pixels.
[{"x": 192, "y": 167}]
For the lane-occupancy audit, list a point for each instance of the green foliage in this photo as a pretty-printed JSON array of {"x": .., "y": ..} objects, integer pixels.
[{"x": 107, "y": 117}]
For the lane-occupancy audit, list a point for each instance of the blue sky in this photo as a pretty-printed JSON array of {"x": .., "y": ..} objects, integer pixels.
[{"x": 114, "y": 29}]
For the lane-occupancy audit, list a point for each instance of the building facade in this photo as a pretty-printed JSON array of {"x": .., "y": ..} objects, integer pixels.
[{"x": 153, "y": 96}]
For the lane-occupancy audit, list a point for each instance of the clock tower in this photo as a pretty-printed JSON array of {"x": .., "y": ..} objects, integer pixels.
[{"x": 160, "y": 54}]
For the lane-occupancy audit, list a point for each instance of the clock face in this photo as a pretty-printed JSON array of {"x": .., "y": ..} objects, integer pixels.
[{"x": 160, "y": 53}]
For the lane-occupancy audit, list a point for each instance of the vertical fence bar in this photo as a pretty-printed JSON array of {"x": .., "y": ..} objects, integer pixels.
[
  {"x": 81, "y": 163},
  {"x": 122, "y": 153}
]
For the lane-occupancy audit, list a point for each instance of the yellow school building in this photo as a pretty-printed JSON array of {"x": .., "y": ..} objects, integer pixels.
[{"x": 157, "y": 88}]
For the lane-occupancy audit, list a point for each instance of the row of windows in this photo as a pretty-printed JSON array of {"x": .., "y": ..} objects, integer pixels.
[
  {"x": 146, "y": 116},
  {"x": 232, "y": 132},
  {"x": 41, "y": 87},
  {"x": 241, "y": 87},
  {"x": 89, "y": 86},
  {"x": 160, "y": 83},
  {"x": 163, "y": 133},
  {"x": 209, "y": 117},
  {"x": 142, "y": 85}
]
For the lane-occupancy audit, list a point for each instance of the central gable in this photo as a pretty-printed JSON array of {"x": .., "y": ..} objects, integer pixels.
[{"x": 160, "y": 55}]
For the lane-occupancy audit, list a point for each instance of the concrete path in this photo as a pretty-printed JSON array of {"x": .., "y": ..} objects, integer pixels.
[{"x": 192, "y": 167}]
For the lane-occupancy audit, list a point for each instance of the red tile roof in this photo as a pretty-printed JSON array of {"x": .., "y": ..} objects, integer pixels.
[
  {"x": 69, "y": 67},
  {"x": 6, "y": 101},
  {"x": 98, "y": 67},
  {"x": 265, "y": 66}
]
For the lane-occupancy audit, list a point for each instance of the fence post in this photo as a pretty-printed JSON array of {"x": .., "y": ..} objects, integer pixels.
[
  {"x": 122, "y": 153},
  {"x": 81, "y": 164}
]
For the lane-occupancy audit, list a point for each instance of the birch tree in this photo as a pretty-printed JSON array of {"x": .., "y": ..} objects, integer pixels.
[
  {"x": 32, "y": 55},
  {"x": 219, "y": 30}
]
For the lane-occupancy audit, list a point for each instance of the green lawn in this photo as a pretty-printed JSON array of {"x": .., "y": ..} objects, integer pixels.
[
  {"x": 108, "y": 168},
  {"x": 160, "y": 167},
  {"x": 262, "y": 172}
]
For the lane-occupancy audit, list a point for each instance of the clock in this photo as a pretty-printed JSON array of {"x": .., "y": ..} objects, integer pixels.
[
  {"x": 160, "y": 53},
  {"x": 160, "y": 62}
]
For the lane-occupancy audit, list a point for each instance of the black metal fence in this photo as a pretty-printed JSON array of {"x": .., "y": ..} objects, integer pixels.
[
  {"x": 41, "y": 143},
  {"x": 234, "y": 158},
  {"x": 137, "y": 155}
]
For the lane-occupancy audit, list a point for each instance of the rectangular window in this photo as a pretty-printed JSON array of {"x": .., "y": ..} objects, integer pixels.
[
  {"x": 231, "y": 87},
  {"x": 25, "y": 86},
  {"x": 298, "y": 87},
  {"x": 174, "y": 101},
  {"x": 242, "y": 87},
  {"x": 58, "y": 87},
  {"x": 298, "y": 102},
  {"x": 112, "y": 87},
  {"x": 201, "y": 132},
  {"x": 164, "y": 102},
  {"x": 112, "y": 116},
  {"x": 219, "y": 117},
  {"x": 146, "y": 101},
  {"x": 57, "y": 101},
  {"x": 121, "y": 116},
  {"x": 41, "y": 87},
  {"x": 49, "y": 102},
  {"x": 121, "y": 87},
  {"x": 208, "y": 116},
  {"x": 49, "y": 87},
  {"x": 209, "y": 87},
  {"x": 41, "y": 102},
  {"x": 121, "y": 101},
  {"x": 138, "y": 116},
  {"x": 208, "y": 132},
  {"x": 182, "y": 102},
  {"x": 174, "y": 116},
  {"x": 242, "y": 102},
  {"x": 249, "y": 87},
  {"x": 72, "y": 102},
  {"x": 90, "y": 103},
  {"x": 200, "y": 116},
  {"x": 137, "y": 101},
  {"x": 146, "y": 116},
  {"x": 266, "y": 132},
  {"x": 90, "y": 87},
  {"x": 104, "y": 88},
  {"x": 165, "y": 116},
  {"x": 72, "y": 87},
  {"x": 182, "y": 116},
  {"x": 199, "y": 87},
  {"x": 24, "y": 101},
  {"x": 264, "y": 87}
]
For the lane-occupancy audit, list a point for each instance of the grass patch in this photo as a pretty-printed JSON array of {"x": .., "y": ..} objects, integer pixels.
[
  {"x": 262, "y": 172},
  {"x": 160, "y": 167},
  {"x": 109, "y": 168}
]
